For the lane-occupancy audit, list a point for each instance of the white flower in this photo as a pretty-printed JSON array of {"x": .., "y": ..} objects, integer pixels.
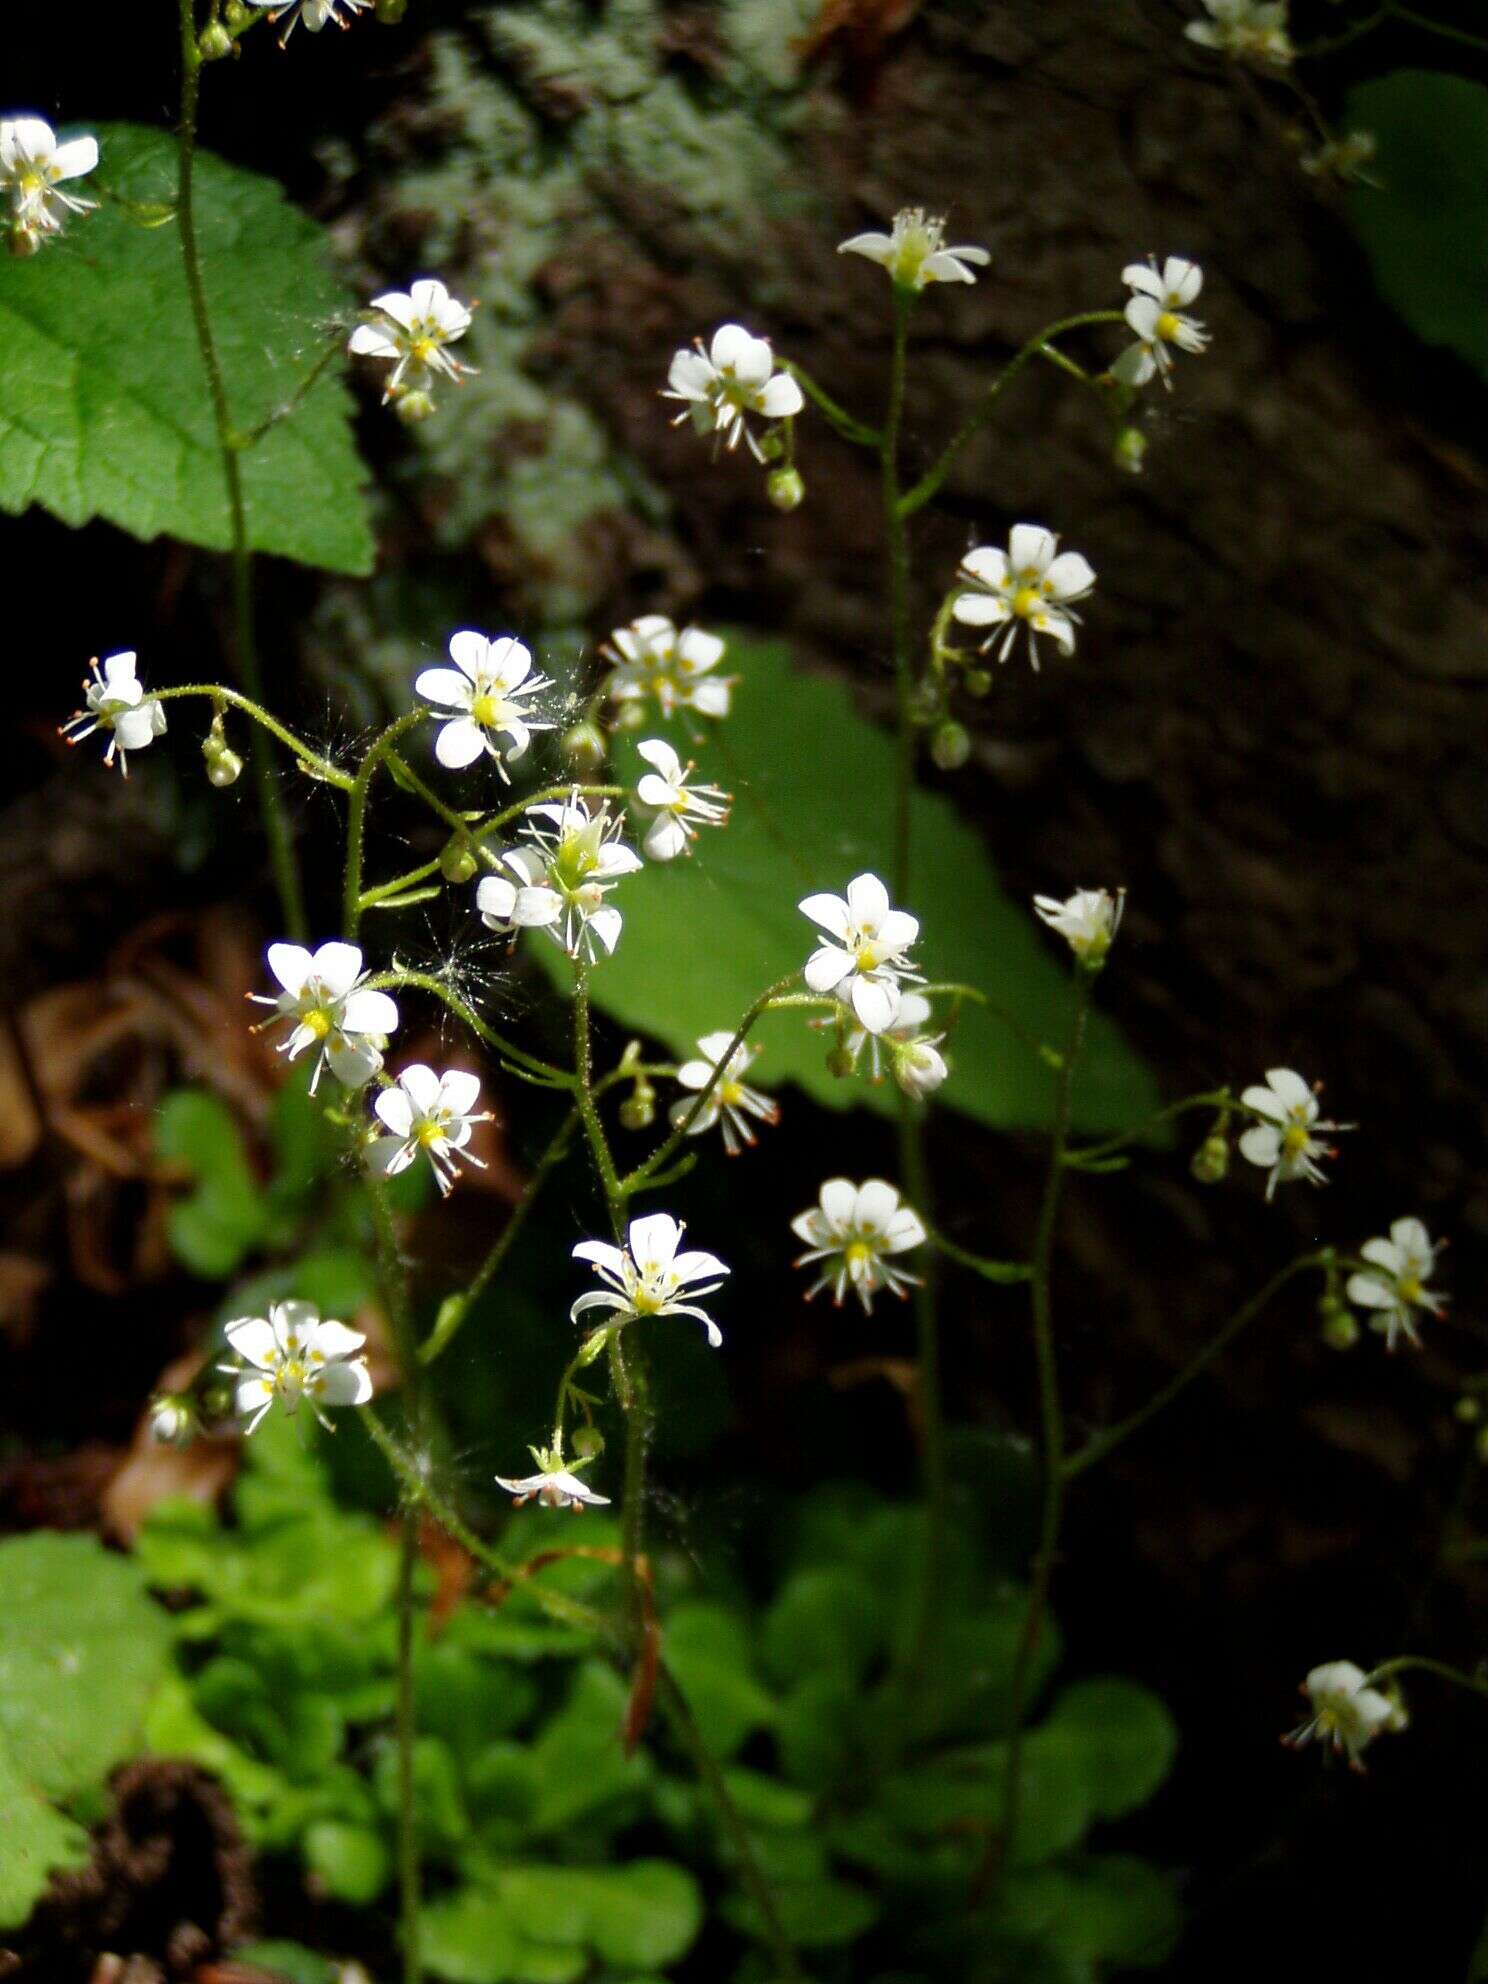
[
  {"x": 913, "y": 254},
  {"x": 553, "y": 1485},
  {"x": 429, "y": 1113},
  {"x": 853, "y": 1229},
  {"x": 865, "y": 962},
  {"x": 1286, "y": 1141},
  {"x": 914, "y": 1058},
  {"x": 652, "y": 659},
  {"x": 484, "y": 693},
  {"x": 32, "y": 167},
  {"x": 172, "y": 1420},
  {"x": 676, "y": 803},
  {"x": 416, "y": 331},
  {"x": 1156, "y": 314},
  {"x": 1345, "y": 1713},
  {"x": 117, "y": 703},
  {"x": 648, "y": 1275},
  {"x": 1025, "y": 585},
  {"x": 1343, "y": 159},
  {"x": 731, "y": 1101},
  {"x": 295, "y": 1355},
  {"x": 919, "y": 1065},
  {"x": 1405, "y": 1262},
  {"x": 332, "y": 1009},
  {"x": 733, "y": 378},
  {"x": 561, "y": 880},
  {"x": 1088, "y": 921},
  {"x": 1251, "y": 30},
  {"x": 314, "y": 13}
]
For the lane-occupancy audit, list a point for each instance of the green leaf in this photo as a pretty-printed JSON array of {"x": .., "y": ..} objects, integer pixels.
[
  {"x": 646, "y": 1913},
  {"x": 813, "y": 783},
  {"x": 1107, "y": 1909},
  {"x": 223, "y": 1218},
  {"x": 468, "y": 1938},
  {"x": 580, "y": 1764},
  {"x": 814, "y": 1914},
  {"x": 1124, "y": 1738},
  {"x": 1425, "y": 226},
  {"x": 823, "y": 1619},
  {"x": 38, "y": 1841},
  {"x": 349, "y": 1863},
  {"x": 82, "y": 1649},
  {"x": 707, "y": 1648},
  {"x": 290, "y": 1962},
  {"x": 104, "y": 406},
  {"x": 175, "y": 1727}
]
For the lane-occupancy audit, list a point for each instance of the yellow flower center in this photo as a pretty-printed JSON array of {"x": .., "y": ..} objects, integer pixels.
[
  {"x": 31, "y": 182},
  {"x": 423, "y": 347},
  {"x": 429, "y": 1132},
  {"x": 1409, "y": 1286},
  {"x": 1167, "y": 326},
  {"x": 731, "y": 1092},
  {"x": 647, "y": 1299},
  {"x": 487, "y": 709},
  {"x": 858, "y": 1253},
  {"x": 1294, "y": 1140},
  {"x": 319, "y": 1022},
  {"x": 1027, "y": 601}
]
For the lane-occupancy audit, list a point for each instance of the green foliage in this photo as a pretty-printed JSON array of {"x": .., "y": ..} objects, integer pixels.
[
  {"x": 800, "y": 825},
  {"x": 81, "y": 1650},
  {"x": 1425, "y": 226},
  {"x": 215, "y": 1227},
  {"x": 869, "y": 1811},
  {"x": 104, "y": 407}
]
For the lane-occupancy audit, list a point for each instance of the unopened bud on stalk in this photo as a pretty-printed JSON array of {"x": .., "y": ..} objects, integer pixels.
[
  {"x": 583, "y": 745},
  {"x": 236, "y": 14},
  {"x": 458, "y": 863},
  {"x": 588, "y": 1443},
  {"x": 1340, "y": 1325},
  {"x": 1130, "y": 450},
  {"x": 224, "y": 766},
  {"x": 978, "y": 681},
  {"x": 1211, "y": 1160},
  {"x": 390, "y": 12},
  {"x": 413, "y": 407},
  {"x": 950, "y": 746},
  {"x": 172, "y": 1420},
  {"x": 785, "y": 488},
  {"x": 638, "y": 1110},
  {"x": 214, "y": 42}
]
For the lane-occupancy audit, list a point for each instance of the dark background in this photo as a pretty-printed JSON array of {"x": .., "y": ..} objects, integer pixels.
[{"x": 1272, "y": 734}]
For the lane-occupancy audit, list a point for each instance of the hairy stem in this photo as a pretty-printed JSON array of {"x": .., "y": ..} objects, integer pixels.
[
  {"x": 309, "y": 761},
  {"x": 518, "y": 1057},
  {"x": 356, "y": 819},
  {"x": 408, "y": 1843},
  {"x": 276, "y": 825}
]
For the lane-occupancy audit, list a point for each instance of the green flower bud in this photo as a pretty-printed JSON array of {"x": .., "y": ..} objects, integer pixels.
[
  {"x": 839, "y": 1062},
  {"x": 236, "y": 14},
  {"x": 457, "y": 863},
  {"x": 1340, "y": 1325},
  {"x": 1211, "y": 1160},
  {"x": 413, "y": 407},
  {"x": 785, "y": 488},
  {"x": 390, "y": 12},
  {"x": 1468, "y": 1409},
  {"x": 978, "y": 681},
  {"x": 583, "y": 745},
  {"x": 1129, "y": 449},
  {"x": 638, "y": 1110},
  {"x": 593, "y": 1346},
  {"x": 226, "y": 768},
  {"x": 950, "y": 745},
  {"x": 588, "y": 1443},
  {"x": 214, "y": 42}
]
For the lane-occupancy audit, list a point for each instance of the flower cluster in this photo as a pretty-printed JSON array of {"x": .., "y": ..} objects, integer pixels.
[
  {"x": 325, "y": 994},
  {"x": 33, "y": 168},
  {"x": 864, "y": 962},
  {"x": 559, "y": 882},
  {"x": 414, "y": 330},
  {"x": 292, "y": 1355},
  {"x": 652, "y": 660}
]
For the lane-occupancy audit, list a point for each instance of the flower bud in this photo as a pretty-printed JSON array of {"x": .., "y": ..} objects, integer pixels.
[
  {"x": 225, "y": 768},
  {"x": 919, "y": 1067},
  {"x": 1468, "y": 1409},
  {"x": 457, "y": 862},
  {"x": 236, "y": 14},
  {"x": 214, "y": 42},
  {"x": 950, "y": 745},
  {"x": 593, "y": 1346},
  {"x": 413, "y": 407},
  {"x": 583, "y": 745},
  {"x": 172, "y": 1420},
  {"x": 840, "y": 1062},
  {"x": 638, "y": 1110},
  {"x": 978, "y": 681},
  {"x": 1129, "y": 450},
  {"x": 785, "y": 488},
  {"x": 588, "y": 1443},
  {"x": 1211, "y": 1160},
  {"x": 1340, "y": 1325},
  {"x": 390, "y": 12}
]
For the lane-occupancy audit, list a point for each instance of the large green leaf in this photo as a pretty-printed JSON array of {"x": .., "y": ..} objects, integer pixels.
[
  {"x": 82, "y": 1649},
  {"x": 813, "y": 782},
  {"x": 38, "y": 1840},
  {"x": 104, "y": 408},
  {"x": 1425, "y": 226}
]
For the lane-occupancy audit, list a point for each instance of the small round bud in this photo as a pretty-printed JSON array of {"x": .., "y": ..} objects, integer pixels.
[
  {"x": 785, "y": 488},
  {"x": 413, "y": 407},
  {"x": 214, "y": 42},
  {"x": 583, "y": 745},
  {"x": 1211, "y": 1160},
  {"x": 172, "y": 1420},
  {"x": 1468, "y": 1409},
  {"x": 390, "y": 12},
  {"x": 588, "y": 1443},
  {"x": 218, "y": 1401},
  {"x": 1129, "y": 450},
  {"x": 1340, "y": 1325},
  {"x": 950, "y": 745},
  {"x": 978, "y": 681},
  {"x": 840, "y": 1062},
  {"x": 237, "y": 14},
  {"x": 458, "y": 863},
  {"x": 224, "y": 767},
  {"x": 638, "y": 1110}
]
